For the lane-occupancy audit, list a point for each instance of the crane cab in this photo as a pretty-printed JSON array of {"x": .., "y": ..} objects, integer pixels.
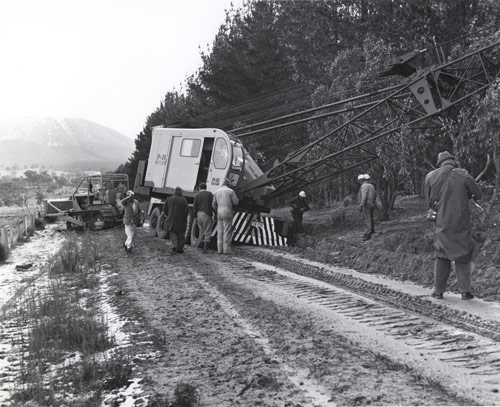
[{"x": 187, "y": 157}]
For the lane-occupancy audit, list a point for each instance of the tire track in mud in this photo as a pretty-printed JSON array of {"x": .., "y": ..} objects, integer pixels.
[
  {"x": 420, "y": 305},
  {"x": 238, "y": 348},
  {"x": 243, "y": 331},
  {"x": 460, "y": 344},
  {"x": 298, "y": 377}
]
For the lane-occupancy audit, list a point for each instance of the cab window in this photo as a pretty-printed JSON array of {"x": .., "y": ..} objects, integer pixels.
[
  {"x": 221, "y": 154},
  {"x": 190, "y": 147},
  {"x": 237, "y": 156}
]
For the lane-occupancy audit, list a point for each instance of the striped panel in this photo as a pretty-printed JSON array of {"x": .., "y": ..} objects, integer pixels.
[{"x": 256, "y": 229}]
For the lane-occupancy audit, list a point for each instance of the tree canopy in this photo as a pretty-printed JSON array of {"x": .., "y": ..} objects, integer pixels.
[{"x": 272, "y": 58}]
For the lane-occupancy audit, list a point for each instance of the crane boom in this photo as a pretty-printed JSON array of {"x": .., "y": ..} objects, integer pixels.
[{"x": 422, "y": 97}]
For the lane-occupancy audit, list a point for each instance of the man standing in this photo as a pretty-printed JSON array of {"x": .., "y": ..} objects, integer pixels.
[
  {"x": 176, "y": 209},
  {"x": 131, "y": 212},
  {"x": 447, "y": 191},
  {"x": 299, "y": 206},
  {"x": 203, "y": 212},
  {"x": 367, "y": 197},
  {"x": 224, "y": 200}
]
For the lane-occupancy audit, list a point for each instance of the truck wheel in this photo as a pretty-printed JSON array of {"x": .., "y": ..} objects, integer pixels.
[
  {"x": 161, "y": 228},
  {"x": 153, "y": 222},
  {"x": 195, "y": 234},
  {"x": 190, "y": 220}
]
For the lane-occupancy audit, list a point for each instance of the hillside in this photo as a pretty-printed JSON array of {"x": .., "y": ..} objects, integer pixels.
[
  {"x": 402, "y": 247},
  {"x": 61, "y": 143}
]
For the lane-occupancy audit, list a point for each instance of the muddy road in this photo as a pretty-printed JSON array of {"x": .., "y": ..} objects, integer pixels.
[{"x": 264, "y": 327}]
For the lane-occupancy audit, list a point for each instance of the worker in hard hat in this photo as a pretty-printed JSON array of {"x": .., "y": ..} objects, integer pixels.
[
  {"x": 299, "y": 206},
  {"x": 448, "y": 190},
  {"x": 367, "y": 198}
]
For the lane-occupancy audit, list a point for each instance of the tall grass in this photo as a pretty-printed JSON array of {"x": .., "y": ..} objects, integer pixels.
[{"x": 64, "y": 337}]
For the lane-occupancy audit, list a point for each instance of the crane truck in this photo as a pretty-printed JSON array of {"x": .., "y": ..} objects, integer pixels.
[{"x": 186, "y": 157}]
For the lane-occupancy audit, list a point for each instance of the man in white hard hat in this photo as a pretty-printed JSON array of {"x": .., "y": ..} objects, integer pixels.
[
  {"x": 299, "y": 206},
  {"x": 367, "y": 197}
]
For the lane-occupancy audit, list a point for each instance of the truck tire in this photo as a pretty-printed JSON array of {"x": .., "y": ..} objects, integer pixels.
[
  {"x": 153, "y": 222},
  {"x": 190, "y": 221},
  {"x": 160, "y": 228},
  {"x": 195, "y": 234}
]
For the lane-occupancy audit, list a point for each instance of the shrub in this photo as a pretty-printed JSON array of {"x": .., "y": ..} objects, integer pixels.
[{"x": 347, "y": 201}]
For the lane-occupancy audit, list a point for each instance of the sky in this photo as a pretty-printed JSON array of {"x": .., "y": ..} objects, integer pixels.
[{"x": 108, "y": 61}]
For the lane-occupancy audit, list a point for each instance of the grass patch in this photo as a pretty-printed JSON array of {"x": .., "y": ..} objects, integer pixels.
[{"x": 67, "y": 351}]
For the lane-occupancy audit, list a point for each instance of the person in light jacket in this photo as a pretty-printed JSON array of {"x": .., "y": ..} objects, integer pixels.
[
  {"x": 447, "y": 191},
  {"x": 131, "y": 211},
  {"x": 224, "y": 200},
  {"x": 367, "y": 197},
  {"x": 176, "y": 209},
  {"x": 203, "y": 212}
]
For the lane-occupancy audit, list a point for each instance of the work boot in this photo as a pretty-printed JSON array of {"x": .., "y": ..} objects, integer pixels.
[
  {"x": 436, "y": 295},
  {"x": 205, "y": 247},
  {"x": 467, "y": 296},
  {"x": 174, "y": 250}
]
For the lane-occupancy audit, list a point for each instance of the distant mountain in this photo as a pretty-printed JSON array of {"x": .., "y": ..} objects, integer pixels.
[{"x": 62, "y": 144}]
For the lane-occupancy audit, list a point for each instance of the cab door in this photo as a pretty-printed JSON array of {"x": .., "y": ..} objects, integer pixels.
[
  {"x": 219, "y": 164},
  {"x": 184, "y": 162}
]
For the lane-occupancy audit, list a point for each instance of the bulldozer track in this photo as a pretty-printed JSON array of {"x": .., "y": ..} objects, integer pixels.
[
  {"x": 421, "y": 305},
  {"x": 454, "y": 337}
]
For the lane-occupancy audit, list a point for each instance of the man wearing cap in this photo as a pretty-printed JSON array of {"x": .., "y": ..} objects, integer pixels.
[
  {"x": 447, "y": 191},
  {"x": 131, "y": 212},
  {"x": 176, "y": 209},
  {"x": 299, "y": 206},
  {"x": 222, "y": 203},
  {"x": 203, "y": 213},
  {"x": 367, "y": 198}
]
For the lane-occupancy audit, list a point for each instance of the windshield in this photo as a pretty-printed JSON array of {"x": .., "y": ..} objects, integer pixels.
[
  {"x": 221, "y": 154},
  {"x": 237, "y": 154}
]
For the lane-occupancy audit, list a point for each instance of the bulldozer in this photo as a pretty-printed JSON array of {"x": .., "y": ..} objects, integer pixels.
[{"x": 95, "y": 203}]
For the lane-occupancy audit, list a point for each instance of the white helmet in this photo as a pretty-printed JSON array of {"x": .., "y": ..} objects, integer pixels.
[
  {"x": 361, "y": 177},
  {"x": 302, "y": 194}
]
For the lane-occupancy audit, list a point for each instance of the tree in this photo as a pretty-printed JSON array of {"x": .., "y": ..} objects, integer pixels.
[
  {"x": 273, "y": 58},
  {"x": 13, "y": 192},
  {"x": 486, "y": 130}
]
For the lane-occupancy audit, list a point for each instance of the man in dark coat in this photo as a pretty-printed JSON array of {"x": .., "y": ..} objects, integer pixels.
[
  {"x": 299, "y": 206},
  {"x": 203, "y": 213},
  {"x": 447, "y": 191},
  {"x": 176, "y": 209}
]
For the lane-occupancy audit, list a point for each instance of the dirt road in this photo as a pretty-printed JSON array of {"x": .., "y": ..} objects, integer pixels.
[{"x": 222, "y": 334}]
